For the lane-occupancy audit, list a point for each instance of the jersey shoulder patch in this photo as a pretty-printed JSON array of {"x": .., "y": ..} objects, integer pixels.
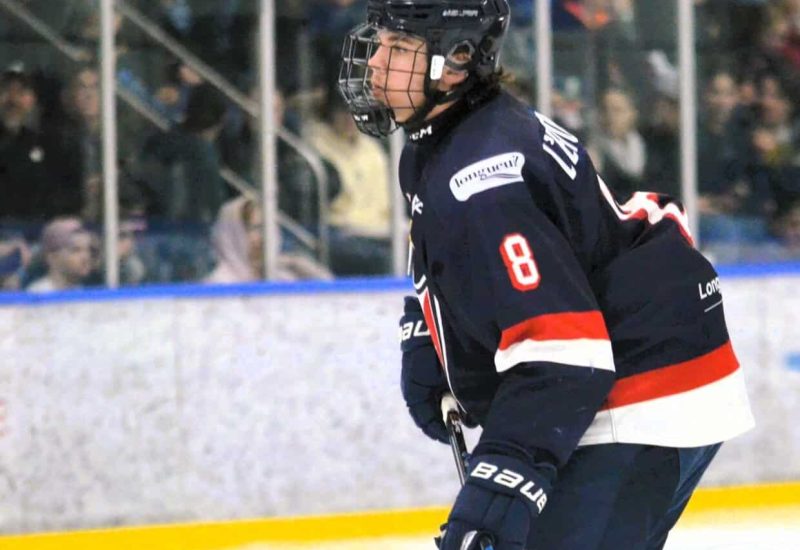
[{"x": 488, "y": 173}]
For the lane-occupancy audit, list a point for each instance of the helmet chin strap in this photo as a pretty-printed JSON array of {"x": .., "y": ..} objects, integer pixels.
[{"x": 433, "y": 96}]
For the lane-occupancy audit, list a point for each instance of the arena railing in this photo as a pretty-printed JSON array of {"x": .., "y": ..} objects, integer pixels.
[
  {"x": 253, "y": 109},
  {"x": 319, "y": 243}
]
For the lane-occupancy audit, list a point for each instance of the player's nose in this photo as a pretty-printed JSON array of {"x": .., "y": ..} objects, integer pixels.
[
  {"x": 379, "y": 65},
  {"x": 380, "y": 58}
]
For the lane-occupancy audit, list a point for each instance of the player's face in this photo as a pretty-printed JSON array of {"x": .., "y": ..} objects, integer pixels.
[{"x": 398, "y": 73}]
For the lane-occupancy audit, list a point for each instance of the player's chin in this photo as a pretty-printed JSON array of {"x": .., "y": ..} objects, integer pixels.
[{"x": 402, "y": 114}]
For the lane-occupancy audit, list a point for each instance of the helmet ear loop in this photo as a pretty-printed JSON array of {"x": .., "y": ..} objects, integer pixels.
[
  {"x": 461, "y": 58},
  {"x": 437, "y": 63},
  {"x": 430, "y": 90},
  {"x": 421, "y": 111}
]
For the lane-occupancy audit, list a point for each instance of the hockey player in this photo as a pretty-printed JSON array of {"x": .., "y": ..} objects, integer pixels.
[{"x": 586, "y": 336}]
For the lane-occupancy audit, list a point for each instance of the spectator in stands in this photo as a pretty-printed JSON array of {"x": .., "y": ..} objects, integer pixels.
[
  {"x": 661, "y": 131},
  {"x": 763, "y": 48},
  {"x": 568, "y": 106},
  {"x": 787, "y": 229},
  {"x": 76, "y": 162},
  {"x": 238, "y": 247},
  {"x": 783, "y": 241},
  {"x": 180, "y": 169},
  {"x": 22, "y": 151},
  {"x": 619, "y": 149},
  {"x": 222, "y": 35},
  {"x": 777, "y": 152},
  {"x": 775, "y": 134},
  {"x": 66, "y": 246},
  {"x": 297, "y": 189},
  {"x": 82, "y": 23},
  {"x": 360, "y": 209},
  {"x": 783, "y": 36},
  {"x": 173, "y": 96},
  {"x": 14, "y": 258},
  {"x": 174, "y": 16},
  {"x": 132, "y": 268},
  {"x": 720, "y": 169},
  {"x": 619, "y": 57},
  {"x": 81, "y": 27},
  {"x": 730, "y": 217}
]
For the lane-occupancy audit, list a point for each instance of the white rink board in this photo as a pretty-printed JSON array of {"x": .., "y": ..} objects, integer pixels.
[{"x": 182, "y": 409}]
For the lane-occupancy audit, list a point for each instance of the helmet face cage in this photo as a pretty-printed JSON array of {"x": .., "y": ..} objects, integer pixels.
[
  {"x": 370, "y": 105},
  {"x": 445, "y": 27}
]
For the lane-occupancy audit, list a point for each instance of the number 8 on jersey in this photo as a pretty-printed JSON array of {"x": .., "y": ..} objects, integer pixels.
[{"x": 518, "y": 257}]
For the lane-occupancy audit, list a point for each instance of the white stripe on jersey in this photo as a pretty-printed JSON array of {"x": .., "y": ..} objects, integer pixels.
[
  {"x": 709, "y": 414},
  {"x": 641, "y": 202},
  {"x": 578, "y": 352}
]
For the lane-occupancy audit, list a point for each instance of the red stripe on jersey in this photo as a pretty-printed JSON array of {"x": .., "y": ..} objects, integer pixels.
[
  {"x": 427, "y": 311},
  {"x": 673, "y": 379},
  {"x": 557, "y": 326}
]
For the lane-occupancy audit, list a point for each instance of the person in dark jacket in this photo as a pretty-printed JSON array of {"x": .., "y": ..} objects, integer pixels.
[{"x": 181, "y": 167}]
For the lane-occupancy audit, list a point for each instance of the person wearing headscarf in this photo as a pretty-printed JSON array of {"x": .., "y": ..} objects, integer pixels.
[{"x": 238, "y": 246}]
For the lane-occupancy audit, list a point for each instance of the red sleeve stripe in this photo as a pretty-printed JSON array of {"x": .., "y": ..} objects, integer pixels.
[
  {"x": 557, "y": 326},
  {"x": 433, "y": 327},
  {"x": 673, "y": 379}
]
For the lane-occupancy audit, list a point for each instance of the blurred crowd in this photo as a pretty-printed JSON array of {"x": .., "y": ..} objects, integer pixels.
[
  {"x": 617, "y": 87},
  {"x": 188, "y": 153}
]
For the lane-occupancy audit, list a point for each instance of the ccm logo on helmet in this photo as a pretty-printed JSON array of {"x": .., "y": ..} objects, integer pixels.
[{"x": 512, "y": 480}]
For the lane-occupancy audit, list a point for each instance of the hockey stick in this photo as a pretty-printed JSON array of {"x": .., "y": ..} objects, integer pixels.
[{"x": 455, "y": 431}]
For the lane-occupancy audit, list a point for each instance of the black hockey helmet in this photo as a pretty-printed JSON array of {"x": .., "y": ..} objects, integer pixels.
[{"x": 447, "y": 27}]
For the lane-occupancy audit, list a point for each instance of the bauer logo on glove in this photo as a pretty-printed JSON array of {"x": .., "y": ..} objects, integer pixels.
[{"x": 512, "y": 480}]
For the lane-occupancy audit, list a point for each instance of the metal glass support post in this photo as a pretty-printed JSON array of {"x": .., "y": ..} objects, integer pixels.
[
  {"x": 543, "y": 35},
  {"x": 248, "y": 105},
  {"x": 267, "y": 138},
  {"x": 109, "y": 133},
  {"x": 688, "y": 98}
]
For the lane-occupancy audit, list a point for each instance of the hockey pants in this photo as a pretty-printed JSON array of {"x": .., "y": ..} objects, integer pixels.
[{"x": 619, "y": 497}]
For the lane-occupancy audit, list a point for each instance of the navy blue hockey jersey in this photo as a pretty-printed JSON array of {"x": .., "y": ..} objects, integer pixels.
[{"x": 561, "y": 316}]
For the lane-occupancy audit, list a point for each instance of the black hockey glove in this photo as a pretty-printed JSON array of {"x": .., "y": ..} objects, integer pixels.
[
  {"x": 422, "y": 381},
  {"x": 500, "y": 499}
]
